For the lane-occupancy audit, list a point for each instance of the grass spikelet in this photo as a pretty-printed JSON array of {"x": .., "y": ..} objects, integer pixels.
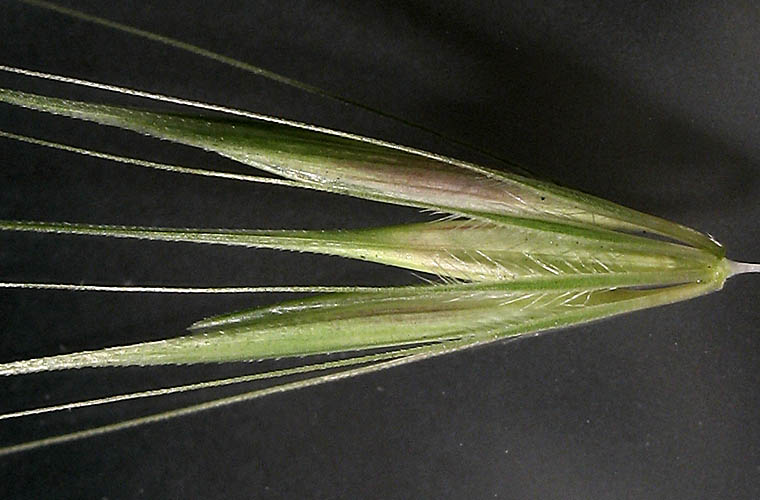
[{"x": 512, "y": 255}]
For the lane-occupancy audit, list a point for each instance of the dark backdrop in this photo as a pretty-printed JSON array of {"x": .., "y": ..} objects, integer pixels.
[{"x": 650, "y": 104}]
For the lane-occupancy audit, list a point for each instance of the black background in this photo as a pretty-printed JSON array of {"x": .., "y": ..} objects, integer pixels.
[{"x": 650, "y": 104}]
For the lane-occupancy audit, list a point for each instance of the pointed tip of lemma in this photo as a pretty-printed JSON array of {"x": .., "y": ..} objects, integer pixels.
[{"x": 742, "y": 268}]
